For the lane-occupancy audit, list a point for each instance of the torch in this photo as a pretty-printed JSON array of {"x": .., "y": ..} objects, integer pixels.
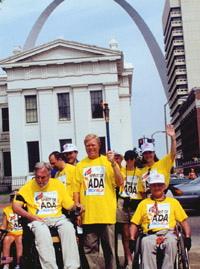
[{"x": 106, "y": 114}]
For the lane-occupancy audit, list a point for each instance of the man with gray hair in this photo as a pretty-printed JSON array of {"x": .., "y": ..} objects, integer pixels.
[{"x": 45, "y": 198}]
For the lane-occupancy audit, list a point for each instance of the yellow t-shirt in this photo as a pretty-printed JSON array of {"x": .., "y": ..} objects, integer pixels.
[
  {"x": 169, "y": 211},
  {"x": 14, "y": 227},
  {"x": 132, "y": 180},
  {"x": 163, "y": 166},
  {"x": 66, "y": 177},
  {"x": 46, "y": 202},
  {"x": 95, "y": 181}
]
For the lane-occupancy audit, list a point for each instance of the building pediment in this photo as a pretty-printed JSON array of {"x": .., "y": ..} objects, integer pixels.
[{"x": 61, "y": 50}]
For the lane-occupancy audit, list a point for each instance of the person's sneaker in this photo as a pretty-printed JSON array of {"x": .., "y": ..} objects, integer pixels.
[
  {"x": 6, "y": 266},
  {"x": 17, "y": 266},
  {"x": 6, "y": 260}
]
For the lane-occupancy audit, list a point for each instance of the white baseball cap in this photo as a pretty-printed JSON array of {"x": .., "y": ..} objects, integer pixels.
[
  {"x": 117, "y": 152},
  {"x": 156, "y": 178},
  {"x": 69, "y": 148},
  {"x": 147, "y": 147}
]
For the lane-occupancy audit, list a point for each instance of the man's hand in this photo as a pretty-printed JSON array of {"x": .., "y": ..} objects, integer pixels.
[
  {"x": 37, "y": 218},
  {"x": 132, "y": 245},
  {"x": 188, "y": 243},
  {"x": 82, "y": 208},
  {"x": 79, "y": 221},
  {"x": 110, "y": 156}
]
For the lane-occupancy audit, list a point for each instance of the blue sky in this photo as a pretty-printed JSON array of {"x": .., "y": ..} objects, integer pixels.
[{"x": 95, "y": 22}]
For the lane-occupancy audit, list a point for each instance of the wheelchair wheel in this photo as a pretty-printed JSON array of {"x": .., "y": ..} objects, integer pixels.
[
  {"x": 182, "y": 258},
  {"x": 137, "y": 257},
  {"x": 184, "y": 255}
]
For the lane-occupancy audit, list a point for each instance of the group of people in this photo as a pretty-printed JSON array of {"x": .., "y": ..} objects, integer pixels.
[
  {"x": 91, "y": 185},
  {"x": 192, "y": 175}
]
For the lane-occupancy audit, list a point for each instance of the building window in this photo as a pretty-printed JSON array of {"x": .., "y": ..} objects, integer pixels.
[
  {"x": 103, "y": 146},
  {"x": 64, "y": 106},
  {"x": 5, "y": 120},
  {"x": 33, "y": 154},
  {"x": 7, "y": 164},
  {"x": 31, "y": 109},
  {"x": 96, "y": 100},
  {"x": 63, "y": 142}
]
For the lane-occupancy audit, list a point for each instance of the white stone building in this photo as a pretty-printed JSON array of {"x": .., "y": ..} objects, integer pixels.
[{"x": 53, "y": 94}]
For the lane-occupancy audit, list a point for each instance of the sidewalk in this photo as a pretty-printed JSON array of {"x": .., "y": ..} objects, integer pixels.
[{"x": 194, "y": 256}]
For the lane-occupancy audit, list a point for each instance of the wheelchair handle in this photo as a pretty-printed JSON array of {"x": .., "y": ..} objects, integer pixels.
[{"x": 3, "y": 231}]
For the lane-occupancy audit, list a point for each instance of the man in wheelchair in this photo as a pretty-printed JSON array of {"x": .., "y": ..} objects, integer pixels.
[
  {"x": 158, "y": 215},
  {"x": 44, "y": 198}
]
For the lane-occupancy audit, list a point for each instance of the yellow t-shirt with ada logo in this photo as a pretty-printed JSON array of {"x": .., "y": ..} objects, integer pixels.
[
  {"x": 132, "y": 181},
  {"x": 66, "y": 177},
  {"x": 14, "y": 227},
  {"x": 164, "y": 217},
  {"x": 95, "y": 181},
  {"x": 46, "y": 202},
  {"x": 163, "y": 166}
]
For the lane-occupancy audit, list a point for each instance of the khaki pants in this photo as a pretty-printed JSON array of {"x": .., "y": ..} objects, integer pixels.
[
  {"x": 93, "y": 235},
  {"x": 149, "y": 249},
  {"x": 44, "y": 244}
]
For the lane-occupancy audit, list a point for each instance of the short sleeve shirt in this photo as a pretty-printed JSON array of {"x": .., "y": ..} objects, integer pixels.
[
  {"x": 163, "y": 166},
  {"x": 46, "y": 202},
  {"x": 132, "y": 181},
  {"x": 66, "y": 177},
  {"x": 14, "y": 226},
  {"x": 95, "y": 181},
  {"x": 169, "y": 211}
]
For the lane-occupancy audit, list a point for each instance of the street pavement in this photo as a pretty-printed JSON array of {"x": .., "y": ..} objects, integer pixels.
[{"x": 194, "y": 254}]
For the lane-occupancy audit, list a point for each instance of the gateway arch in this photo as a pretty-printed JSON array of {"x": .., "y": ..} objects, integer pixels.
[{"x": 149, "y": 38}]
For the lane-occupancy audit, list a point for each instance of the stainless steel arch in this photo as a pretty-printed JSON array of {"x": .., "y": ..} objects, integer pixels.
[
  {"x": 37, "y": 27},
  {"x": 150, "y": 40},
  {"x": 154, "y": 48}
]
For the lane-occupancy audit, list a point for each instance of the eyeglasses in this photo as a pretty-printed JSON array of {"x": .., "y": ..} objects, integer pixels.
[{"x": 129, "y": 157}]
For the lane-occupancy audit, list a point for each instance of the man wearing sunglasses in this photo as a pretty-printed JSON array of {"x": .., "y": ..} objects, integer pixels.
[{"x": 128, "y": 200}]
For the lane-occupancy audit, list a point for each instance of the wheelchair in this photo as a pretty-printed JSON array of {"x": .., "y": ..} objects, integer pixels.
[
  {"x": 30, "y": 257},
  {"x": 182, "y": 257},
  {"x": 12, "y": 259}
]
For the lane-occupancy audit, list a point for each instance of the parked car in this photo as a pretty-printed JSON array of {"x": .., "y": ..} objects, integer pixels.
[
  {"x": 175, "y": 180},
  {"x": 188, "y": 194}
]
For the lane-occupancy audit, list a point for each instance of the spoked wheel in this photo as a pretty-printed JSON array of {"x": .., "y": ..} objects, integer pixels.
[
  {"x": 182, "y": 257},
  {"x": 137, "y": 258},
  {"x": 184, "y": 261}
]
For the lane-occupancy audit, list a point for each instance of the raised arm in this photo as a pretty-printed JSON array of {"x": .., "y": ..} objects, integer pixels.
[
  {"x": 117, "y": 172},
  {"x": 170, "y": 131}
]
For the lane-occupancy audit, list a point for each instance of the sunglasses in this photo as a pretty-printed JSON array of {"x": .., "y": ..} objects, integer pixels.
[{"x": 129, "y": 157}]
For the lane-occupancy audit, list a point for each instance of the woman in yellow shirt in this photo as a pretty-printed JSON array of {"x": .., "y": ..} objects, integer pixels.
[
  {"x": 128, "y": 200},
  {"x": 162, "y": 166}
]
